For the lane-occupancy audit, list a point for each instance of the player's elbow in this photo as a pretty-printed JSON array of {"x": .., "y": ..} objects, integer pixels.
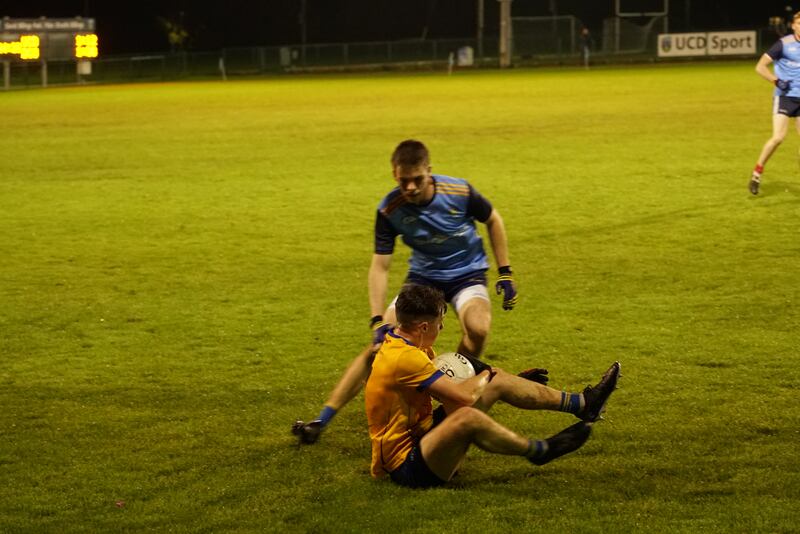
[
  {"x": 380, "y": 263},
  {"x": 494, "y": 218}
]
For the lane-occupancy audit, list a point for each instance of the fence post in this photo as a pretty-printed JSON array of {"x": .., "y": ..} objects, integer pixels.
[
  {"x": 480, "y": 28},
  {"x": 505, "y": 33},
  {"x": 7, "y": 75}
]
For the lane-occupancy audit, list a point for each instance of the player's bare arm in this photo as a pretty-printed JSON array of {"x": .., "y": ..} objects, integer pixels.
[
  {"x": 455, "y": 394},
  {"x": 378, "y": 281},
  {"x": 763, "y": 70},
  {"x": 498, "y": 239},
  {"x": 505, "y": 282}
]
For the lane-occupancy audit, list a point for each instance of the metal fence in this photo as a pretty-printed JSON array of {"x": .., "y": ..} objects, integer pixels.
[
  {"x": 543, "y": 36},
  {"x": 251, "y": 61},
  {"x": 536, "y": 41}
]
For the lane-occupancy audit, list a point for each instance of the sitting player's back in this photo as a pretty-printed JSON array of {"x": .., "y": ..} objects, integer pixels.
[{"x": 397, "y": 409}]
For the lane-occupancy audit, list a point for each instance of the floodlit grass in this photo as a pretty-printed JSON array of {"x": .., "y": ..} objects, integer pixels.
[{"x": 184, "y": 267}]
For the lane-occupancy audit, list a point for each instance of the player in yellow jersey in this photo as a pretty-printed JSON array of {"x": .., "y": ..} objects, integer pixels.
[{"x": 421, "y": 447}]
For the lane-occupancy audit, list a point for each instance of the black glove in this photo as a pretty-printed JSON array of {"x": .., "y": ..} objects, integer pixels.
[
  {"x": 379, "y": 329},
  {"x": 783, "y": 85},
  {"x": 535, "y": 374},
  {"x": 480, "y": 366},
  {"x": 505, "y": 283},
  {"x": 307, "y": 433}
]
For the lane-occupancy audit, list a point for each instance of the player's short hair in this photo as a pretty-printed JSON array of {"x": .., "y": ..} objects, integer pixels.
[
  {"x": 796, "y": 16},
  {"x": 419, "y": 303},
  {"x": 410, "y": 153}
]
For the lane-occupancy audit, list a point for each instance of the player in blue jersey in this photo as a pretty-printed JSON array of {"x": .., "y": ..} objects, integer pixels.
[
  {"x": 785, "y": 54},
  {"x": 435, "y": 216}
]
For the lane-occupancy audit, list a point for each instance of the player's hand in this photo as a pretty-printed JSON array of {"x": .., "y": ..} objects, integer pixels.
[
  {"x": 783, "y": 85},
  {"x": 535, "y": 374},
  {"x": 505, "y": 283},
  {"x": 307, "y": 433},
  {"x": 379, "y": 329}
]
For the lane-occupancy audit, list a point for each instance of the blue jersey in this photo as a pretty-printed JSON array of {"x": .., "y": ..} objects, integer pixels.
[
  {"x": 786, "y": 55},
  {"x": 441, "y": 234}
]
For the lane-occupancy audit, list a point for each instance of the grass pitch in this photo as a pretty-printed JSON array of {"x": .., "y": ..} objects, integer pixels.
[{"x": 184, "y": 273}]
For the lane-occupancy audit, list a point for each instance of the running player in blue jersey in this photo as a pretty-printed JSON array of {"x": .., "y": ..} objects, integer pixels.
[
  {"x": 435, "y": 215},
  {"x": 786, "y": 100}
]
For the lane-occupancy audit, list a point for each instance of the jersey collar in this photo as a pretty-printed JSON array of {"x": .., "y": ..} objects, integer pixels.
[
  {"x": 396, "y": 336},
  {"x": 433, "y": 196}
]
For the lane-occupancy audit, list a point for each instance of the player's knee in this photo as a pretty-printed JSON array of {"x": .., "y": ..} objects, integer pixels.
[
  {"x": 499, "y": 384},
  {"x": 502, "y": 375},
  {"x": 478, "y": 332},
  {"x": 467, "y": 419}
]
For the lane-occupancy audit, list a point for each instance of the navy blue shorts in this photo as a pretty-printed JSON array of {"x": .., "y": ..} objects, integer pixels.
[
  {"x": 450, "y": 288},
  {"x": 415, "y": 473},
  {"x": 787, "y": 105}
]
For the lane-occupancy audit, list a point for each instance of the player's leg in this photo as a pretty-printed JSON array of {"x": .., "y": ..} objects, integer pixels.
[
  {"x": 797, "y": 127},
  {"x": 474, "y": 312},
  {"x": 444, "y": 447},
  {"x": 780, "y": 125},
  {"x": 522, "y": 393},
  {"x": 519, "y": 392}
]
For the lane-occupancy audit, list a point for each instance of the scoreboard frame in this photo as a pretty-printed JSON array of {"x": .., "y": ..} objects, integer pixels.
[{"x": 45, "y": 39}]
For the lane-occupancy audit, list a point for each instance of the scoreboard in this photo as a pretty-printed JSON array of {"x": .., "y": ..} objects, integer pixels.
[{"x": 45, "y": 39}]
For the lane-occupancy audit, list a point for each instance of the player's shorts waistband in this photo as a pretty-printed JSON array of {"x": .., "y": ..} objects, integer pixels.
[{"x": 450, "y": 288}]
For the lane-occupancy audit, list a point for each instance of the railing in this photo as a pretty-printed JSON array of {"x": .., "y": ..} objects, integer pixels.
[{"x": 256, "y": 61}]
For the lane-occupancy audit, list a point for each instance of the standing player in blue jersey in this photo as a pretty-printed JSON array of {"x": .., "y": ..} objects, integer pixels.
[
  {"x": 435, "y": 215},
  {"x": 786, "y": 100}
]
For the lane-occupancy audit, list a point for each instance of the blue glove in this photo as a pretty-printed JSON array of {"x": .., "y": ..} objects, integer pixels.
[
  {"x": 379, "y": 329},
  {"x": 783, "y": 85},
  {"x": 505, "y": 283}
]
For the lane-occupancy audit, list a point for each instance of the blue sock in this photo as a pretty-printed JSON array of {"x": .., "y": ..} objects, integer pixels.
[
  {"x": 570, "y": 402},
  {"x": 326, "y": 415},
  {"x": 536, "y": 448}
]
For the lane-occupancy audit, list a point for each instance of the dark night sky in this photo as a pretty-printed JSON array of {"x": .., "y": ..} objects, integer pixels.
[{"x": 127, "y": 26}]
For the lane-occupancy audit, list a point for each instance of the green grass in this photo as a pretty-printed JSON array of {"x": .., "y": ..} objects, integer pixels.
[{"x": 183, "y": 274}]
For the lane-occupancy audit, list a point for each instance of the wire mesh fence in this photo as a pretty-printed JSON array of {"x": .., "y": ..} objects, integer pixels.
[{"x": 536, "y": 40}]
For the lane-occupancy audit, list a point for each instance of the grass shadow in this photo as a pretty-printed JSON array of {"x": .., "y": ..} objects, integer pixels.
[{"x": 777, "y": 188}]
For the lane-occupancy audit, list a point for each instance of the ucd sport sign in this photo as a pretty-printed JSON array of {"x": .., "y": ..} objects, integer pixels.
[{"x": 706, "y": 44}]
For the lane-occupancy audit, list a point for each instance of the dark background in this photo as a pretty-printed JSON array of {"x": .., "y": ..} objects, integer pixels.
[{"x": 126, "y": 26}]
